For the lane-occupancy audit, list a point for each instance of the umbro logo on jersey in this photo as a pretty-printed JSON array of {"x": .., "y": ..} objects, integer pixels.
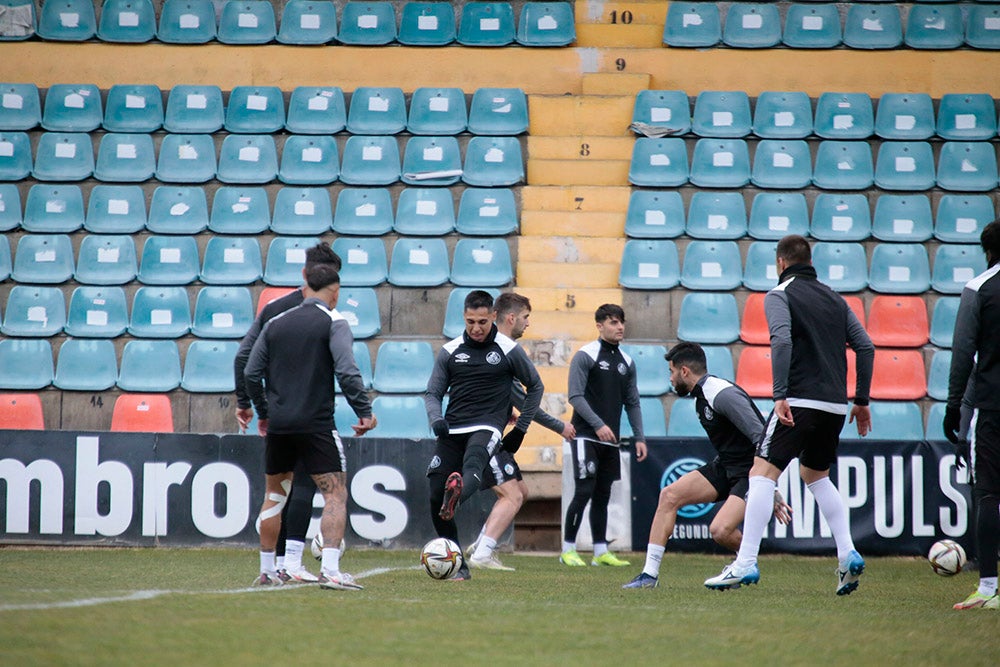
[
  {"x": 461, "y": 358},
  {"x": 493, "y": 358},
  {"x": 603, "y": 365}
]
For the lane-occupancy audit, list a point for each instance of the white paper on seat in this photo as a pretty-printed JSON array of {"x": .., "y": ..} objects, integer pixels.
[
  {"x": 438, "y": 104},
  {"x": 304, "y": 207},
  {"x": 965, "y": 225},
  {"x": 843, "y": 122},
  {"x": 179, "y": 209},
  {"x": 899, "y": 274},
  {"x": 295, "y": 256},
  {"x": 752, "y": 21},
  {"x": 371, "y": 153},
  {"x": 189, "y": 21},
  {"x": 45, "y": 256},
  {"x": 722, "y": 118},
  {"x": 783, "y": 160},
  {"x": 771, "y": 272},
  {"x": 433, "y": 154},
  {"x": 37, "y": 314},
  {"x": 419, "y": 256},
  {"x": 845, "y": 165},
  {"x": 312, "y": 154},
  {"x": 493, "y": 155},
  {"x": 482, "y": 256},
  {"x": 965, "y": 121},
  {"x": 318, "y": 103},
  {"x": 426, "y": 207},
  {"x": 239, "y": 207},
  {"x": 6, "y": 149},
  {"x": 135, "y": 102},
  {"x": 357, "y": 256},
  {"x": 197, "y": 101},
  {"x": 378, "y": 104},
  {"x": 489, "y": 211},
  {"x": 784, "y": 119},
  {"x": 249, "y": 154},
  {"x": 659, "y": 160},
  {"x": 716, "y": 221},
  {"x": 722, "y": 159},
  {"x": 873, "y": 25},
  {"x": 660, "y": 114},
  {"x": 836, "y": 272},
  {"x": 657, "y": 218},
  {"x": 160, "y": 316},
  {"x": 97, "y": 318},
  {"x": 55, "y": 206},
  {"x": 350, "y": 316},
  {"x": 222, "y": 320},
  {"x": 489, "y": 24},
  {"x": 905, "y": 122},
  {"x": 233, "y": 256},
  {"x": 170, "y": 255},
  {"x": 905, "y": 164},
  {"x": 711, "y": 270},
  {"x": 309, "y": 22},
  {"x": 126, "y": 152},
  {"x": 841, "y": 223},
  {"x": 691, "y": 19},
  {"x": 812, "y": 22},
  {"x": 991, "y": 23},
  {"x": 108, "y": 255},
  {"x": 247, "y": 21},
  {"x": 649, "y": 270},
  {"x": 778, "y": 223},
  {"x": 366, "y": 210},
  {"x": 368, "y": 21},
  {"x": 65, "y": 150},
  {"x": 12, "y": 101},
  {"x": 427, "y": 23},
  {"x": 69, "y": 20},
  {"x": 128, "y": 20},
  {"x": 902, "y": 226},
  {"x": 547, "y": 23},
  {"x": 256, "y": 103},
  {"x": 963, "y": 274},
  {"x": 967, "y": 167},
  {"x": 503, "y": 108}
]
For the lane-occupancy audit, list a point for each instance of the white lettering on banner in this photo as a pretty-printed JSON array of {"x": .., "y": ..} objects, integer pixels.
[
  {"x": 203, "y": 510},
  {"x": 953, "y": 521},
  {"x": 89, "y": 476},
  {"x": 366, "y": 491},
  {"x": 920, "y": 527},
  {"x": 156, "y": 481},
  {"x": 18, "y": 478},
  {"x": 882, "y": 519}
]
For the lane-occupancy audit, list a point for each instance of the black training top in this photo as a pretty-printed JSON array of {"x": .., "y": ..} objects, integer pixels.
[
  {"x": 268, "y": 312},
  {"x": 602, "y": 379},
  {"x": 733, "y": 423},
  {"x": 975, "y": 347}
]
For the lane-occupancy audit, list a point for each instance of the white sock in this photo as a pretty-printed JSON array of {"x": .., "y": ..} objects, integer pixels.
[
  {"x": 600, "y": 548},
  {"x": 293, "y": 555},
  {"x": 331, "y": 560},
  {"x": 760, "y": 506},
  {"x": 485, "y": 547},
  {"x": 569, "y": 546},
  {"x": 831, "y": 506},
  {"x": 267, "y": 562},
  {"x": 654, "y": 554},
  {"x": 279, "y": 562},
  {"x": 988, "y": 586}
]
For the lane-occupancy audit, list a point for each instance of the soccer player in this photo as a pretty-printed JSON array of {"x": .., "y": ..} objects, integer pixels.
[
  {"x": 601, "y": 380},
  {"x": 477, "y": 370},
  {"x": 734, "y": 425},
  {"x": 298, "y": 354},
  {"x": 975, "y": 353},
  {"x": 811, "y": 327}
]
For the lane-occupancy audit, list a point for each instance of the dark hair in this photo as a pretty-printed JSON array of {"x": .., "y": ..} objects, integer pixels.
[
  {"x": 319, "y": 276},
  {"x": 990, "y": 240},
  {"x": 477, "y": 299},
  {"x": 609, "y": 310},
  {"x": 322, "y": 253},
  {"x": 688, "y": 354},
  {"x": 794, "y": 249},
  {"x": 511, "y": 302}
]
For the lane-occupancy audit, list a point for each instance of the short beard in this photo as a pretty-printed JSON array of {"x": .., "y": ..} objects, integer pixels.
[{"x": 682, "y": 391}]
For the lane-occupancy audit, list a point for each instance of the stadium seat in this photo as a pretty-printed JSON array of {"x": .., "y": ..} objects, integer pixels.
[
  {"x": 269, "y": 294},
  {"x": 71, "y": 107},
  {"x": 427, "y": 24},
  {"x": 142, "y": 413},
  {"x": 286, "y": 257},
  {"x": 403, "y": 367},
  {"x": 937, "y": 27},
  {"x": 546, "y": 24},
  {"x": 33, "y": 311},
  {"x": 316, "y": 110},
  {"x": 367, "y": 23},
  {"x": 898, "y": 321},
  {"x": 968, "y": 117},
  {"x": 231, "y": 260},
  {"x": 160, "y": 312},
  {"x": 222, "y": 312},
  {"x": 15, "y": 156},
  {"x": 659, "y": 163},
  {"x": 5, "y": 260},
  {"x": 302, "y": 212},
  {"x": 683, "y": 422},
  {"x": 811, "y": 26},
  {"x": 255, "y": 110},
  {"x": 720, "y": 163},
  {"x": 10, "y": 209},
  {"x": 753, "y": 325},
  {"x": 377, "y": 111},
  {"x": 721, "y": 114},
  {"x": 125, "y": 158},
  {"x": 25, "y": 364},
  {"x": 649, "y": 264},
  {"x": 935, "y": 418},
  {"x": 359, "y": 306},
  {"x": 783, "y": 115},
  {"x": 899, "y": 375},
  {"x": 150, "y": 365},
  {"x": 169, "y": 260},
  {"x": 363, "y": 358},
  {"x": 248, "y": 158},
  {"x": 692, "y": 25},
  {"x": 761, "y": 271},
  {"x": 365, "y": 262},
  {"x": 399, "y": 417},
  {"x": 97, "y": 312},
  {"x": 20, "y": 107},
  {"x": 711, "y": 265},
  {"x": 208, "y": 367},
  {"x": 178, "y": 210},
  {"x": 774, "y": 215},
  {"x": 67, "y": 20},
  {"x": 844, "y": 165},
  {"x": 753, "y": 372},
  {"x": 493, "y": 162},
  {"x": 498, "y": 112},
  {"x": 709, "y": 318},
  {"x": 86, "y": 365},
  {"x": 63, "y": 156},
  {"x": 486, "y": 212},
  {"x": 654, "y": 214},
  {"x": 654, "y": 420},
  {"x": 309, "y": 160},
  {"x": 187, "y": 22},
  {"x": 131, "y": 21},
  {"x": 782, "y": 164},
  {"x": 841, "y": 266},
  {"x": 308, "y": 22},
  {"x": 432, "y": 161},
  {"x": 481, "y": 262},
  {"x": 961, "y": 218},
  {"x": 844, "y": 116},
  {"x": 454, "y": 321},
  {"x": 752, "y": 26},
  {"x": 116, "y": 209},
  {"x": 370, "y": 160},
  {"x": 426, "y": 212},
  {"x": 652, "y": 370},
  {"x": 719, "y": 361},
  {"x": 840, "y": 218},
  {"x": 194, "y": 109},
  {"x": 486, "y": 24},
  {"x": 900, "y": 268},
  {"x": 105, "y": 259},
  {"x": 873, "y": 27},
  {"x": 53, "y": 209},
  {"x": 363, "y": 212},
  {"x": 43, "y": 259},
  {"x": 20, "y": 20},
  {"x": 21, "y": 412},
  {"x": 437, "y": 111},
  {"x": 955, "y": 265},
  {"x": 419, "y": 262},
  {"x": 900, "y": 421},
  {"x": 937, "y": 375},
  {"x": 903, "y": 218},
  {"x": 905, "y": 165},
  {"x": 967, "y": 166},
  {"x": 717, "y": 216},
  {"x": 240, "y": 210},
  {"x": 982, "y": 27},
  {"x": 247, "y": 22},
  {"x": 667, "y": 109},
  {"x": 906, "y": 116},
  {"x": 186, "y": 158},
  {"x": 943, "y": 321}
]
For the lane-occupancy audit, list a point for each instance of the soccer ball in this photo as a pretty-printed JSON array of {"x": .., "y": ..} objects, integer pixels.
[
  {"x": 947, "y": 557},
  {"x": 316, "y": 546},
  {"x": 441, "y": 558}
]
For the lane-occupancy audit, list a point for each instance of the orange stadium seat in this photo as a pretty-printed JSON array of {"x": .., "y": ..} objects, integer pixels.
[
  {"x": 753, "y": 372},
  {"x": 899, "y": 375},
  {"x": 143, "y": 413},
  {"x": 753, "y": 327},
  {"x": 898, "y": 321},
  {"x": 21, "y": 412},
  {"x": 269, "y": 294}
]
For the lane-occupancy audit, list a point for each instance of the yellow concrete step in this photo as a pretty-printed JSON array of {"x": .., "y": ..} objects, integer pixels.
[
  {"x": 582, "y": 198},
  {"x": 564, "y": 115},
  {"x": 572, "y": 223},
  {"x": 568, "y": 249},
  {"x": 636, "y": 12},
  {"x": 569, "y": 300},
  {"x": 553, "y": 325},
  {"x": 578, "y": 172},
  {"x": 615, "y": 83},
  {"x": 554, "y": 378},
  {"x": 580, "y": 148},
  {"x": 619, "y": 36},
  {"x": 558, "y": 274}
]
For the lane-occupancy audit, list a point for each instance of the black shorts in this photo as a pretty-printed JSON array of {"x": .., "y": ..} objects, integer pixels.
[
  {"x": 319, "y": 453},
  {"x": 502, "y": 468},
  {"x": 813, "y": 439},
  {"x": 727, "y": 481},
  {"x": 986, "y": 451},
  {"x": 449, "y": 453},
  {"x": 592, "y": 459}
]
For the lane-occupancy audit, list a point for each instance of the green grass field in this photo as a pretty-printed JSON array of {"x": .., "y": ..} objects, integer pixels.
[{"x": 177, "y": 607}]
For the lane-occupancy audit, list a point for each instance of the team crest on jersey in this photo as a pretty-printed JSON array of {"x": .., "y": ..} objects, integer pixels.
[
  {"x": 622, "y": 368},
  {"x": 591, "y": 467},
  {"x": 509, "y": 469},
  {"x": 603, "y": 365},
  {"x": 435, "y": 463},
  {"x": 493, "y": 358},
  {"x": 709, "y": 415},
  {"x": 461, "y": 358}
]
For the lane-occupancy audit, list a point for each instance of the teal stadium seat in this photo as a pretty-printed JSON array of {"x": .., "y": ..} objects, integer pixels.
[
  {"x": 720, "y": 163},
  {"x": 905, "y": 165},
  {"x": 425, "y": 212},
  {"x": 286, "y": 257},
  {"x": 844, "y": 116},
  {"x": 177, "y": 210},
  {"x": 363, "y": 358},
  {"x": 232, "y": 260},
  {"x": 493, "y": 162},
  {"x": 659, "y": 163},
  {"x": 937, "y": 375},
  {"x": 5, "y": 260},
  {"x": 377, "y": 111},
  {"x": 935, "y": 27},
  {"x": 63, "y": 157},
  {"x": 721, "y": 114},
  {"x": 400, "y": 417},
  {"x": 186, "y": 158},
  {"x": 208, "y": 367},
  {"x": 955, "y": 265},
  {"x": 364, "y": 261},
  {"x": 34, "y": 312},
  {"x": 752, "y": 26},
  {"x": 432, "y": 161},
  {"x": 716, "y": 215},
  {"x": 363, "y": 212},
  {"x": 309, "y": 160},
  {"x": 133, "y": 108},
  {"x": 967, "y": 166},
  {"x": 10, "y": 207},
  {"x": 194, "y": 109},
  {"x": 783, "y": 115},
  {"x": 692, "y": 24},
  {"x": 25, "y": 364},
  {"x": 841, "y": 217},
  {"x": 900, "y": 268},
  {"x": 169, "y": 260},
  {"x": 15, "y": 156},
  {"x": 367, "y": 23},
  {"x": 935, "y": 418},
  {"x": 481, "y": 262},
  {"x": 53, "y": 209},
  {"x": 67, "y": 21},
  {"x": 437, "y": 111},
  {"x": 841, "y": 266},
  {"x": 316, "y": 110},
  {"x": 255, "y": 110},
  {"x": 486, "y": 24},
  {"x": 905, "y": 116},
  {"x": 125, "y": 158},
  {"x": 248, "y": 158},
  {"x": 487, "y": 212},
  {"x": 359, "y": 306},
  {"x": 546, "y": 24},
  {"x": 982, "y": 27},
  {"x": 663, "y": 108},
  {"x": 873, "y": 27},
  {"x": 761, "y": 272},
  {"x": 903, "y": 218},
  {"x": 891, "y": 420},
  {"x": 150, "y": 366},
  {"x": 651, "y": 369},
  {"x": 812, "y": 26},
  {"x": 240, "y": 210},
  {"x": 966, "y": 117},
  {"x": 106, "y": 259},
  {"x": 222, "y": 312},
  {"x": 498, "y": 112},
  {"x": 20, "y": 20},
  {"x": 943, "y": 320},
  {"x": 20, "y": 107},
  {"x": 131, "y": 21},
  {"x": 427, "y": 24},
  {"x": 654, "y": 420},
  {"x": 454, "y": 312},
  {"x": 43, "y": 259},
  {"x": 709, "y": 318},
  {"x": 683, "y": 422},
  {"x": 649, "y": 264},
  {"x": 370, "y": 160},
  {"x": 712, "y": 265},
  {"x": 160, "y": 312},
  {"x": 72, "y": 107},
  {"x": 247, "y": 22},
  {"x": 844, "y": 165},
  {"x": 782, "y": 164},
  {"x": 187, "y": 22},
  {"x": 961, "y": 218},
  {"x": 302, "y": 212},
  {"x": 403, "y": 367},
  {"x": 774, "y": 215},
  {"x": 308, "y": 22},
  {"x": 86, "y": 365},
  {"x": 419, "y": 262},
  {"x": 653, "y": 214},
  {"x": 97, "y": 312}
]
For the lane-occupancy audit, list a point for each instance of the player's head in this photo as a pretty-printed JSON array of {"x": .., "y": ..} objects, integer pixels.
[
  {"x": 990, "y": 240},
  {"x": 792, "y": 249},
  {"x": 321, "y": 253},
  {"x": 610, "y": 319},
  {"x": 323, "y": 282},
  {"x": 478, "y": 315},
  {"x": 687, "y": 366},
  {"x": 512, "y": 313}
]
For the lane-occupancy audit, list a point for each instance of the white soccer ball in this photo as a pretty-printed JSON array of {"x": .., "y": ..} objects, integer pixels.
[
  {"x": 316, "y": 546},
  {"x": 441, "y": 558},
  {"x": 946, "y": 557}
]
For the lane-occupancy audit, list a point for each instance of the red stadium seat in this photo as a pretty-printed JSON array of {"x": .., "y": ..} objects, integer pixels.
[
  {"x": 753, "y": 372},
  {"x": 899, "y": 375},
  {"x": 143, "y": 413},
  {"x": 898, "y": 321},
  {"x": 269, "y": 294},
  {"x": 753, "y": 329},
  {"x": 21, "y": 412}
]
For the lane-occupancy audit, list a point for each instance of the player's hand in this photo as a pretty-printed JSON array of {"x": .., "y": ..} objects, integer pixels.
[
  {"x": 863, "y": 415},
  {"x": 962, "y": 453},
  {"x": 568, "y": 432},
  {"x": 512, "y": 441},
  {"x": 243, "y": 417},
  {"x": 640, "y": 451},
  {"x": 364, "y": 425},
  {"x": 514, "y": 414},
  {"x": 952, "y": 424},
  {"x": 440, "y": 428},
  {"x": 782, "y": 510},
  {"x": 605, "y": 434},
  {"x": 262, "y": 427},
  {"x": 784, "y": 412}
]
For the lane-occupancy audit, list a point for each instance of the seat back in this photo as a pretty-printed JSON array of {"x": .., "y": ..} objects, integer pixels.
[
  {"x": 67, "y": 21},
  {"x": 21, "y": 412},
  {"x": 187, "y": 22},
  {"x": 844, "y": 116},
  {"x": 752, "y": 26},
  {"x": 652, "y": 370},
  {"x": 222, "y": 312},
  {"x": 654, "y": 420},
  {"x": 43, "y": 259},
  {"x": 97, "y": 312},
  {"x": 900, "y": 268},
  {"x": 240, "y": 210},
  {"x": 966, "y": 117},
  {"x": 841, "y": 266},
  {"x": 365, "y": 263},
  {"x": 316, "y": 110},
  {"x": 187, "y": 158},
  {"x": 34, "y": 311},
  {"x": 401, "y": 417},
  {"x": 308, "y": 22},
  {"x": 873, "y": 27},
  {"x": 498, "y": 111},
  {"x": 844, "y": 165},
  {"x": 72, "y": 107},
  {"x": 367, "y": 23},
  {"x": 967, "y": 166},
  {"x": 309, "y": 160},
  {"x": 370, "y": 160},
  {"x": 546, "y": 24},
  {"x": 132, "y": 21},
  {"x": 194, "y": 109},
  {"x": 232, "y": 260},
  {"x": 783, "y": 164},
  {"x": 432, "y": 161},
  {"x": 86, "y": 365},
  {"x": 419, "y": 262},
  {"x": 302, "y": 211},
  {"x": 899, "y": 375},
  {"x": 717, "y": 215},
  {"x": 20, "y": 107},
  {"x": 659, "y": 163},
  {"x": 486, "y": 24},
  {"x": 898, "y": 321},
  {"x": 125, "y": 158},
  {"x": 10, "y": 211},
  {"x": 943, "y": 320},
  {"x": 487, "y": 212},
  {"x": 286, "y": 257},
  {"x": 937, "y": 375},
  {"x": 160, "y": 312},
  {"x": 906, "y": 116},
  {"x": 208, "y": 366},
  {"x": 955, "y": 265},
  {"x": 247, "y": 22},
  {"x": 812, "y": 26},
  {"x": 840, "y": 218},
  {"x": 15, "y": 156},
  {"x": 710, "y": 318},
  {"x": 178, "y": 210},
  {"x": 106, "y": 259},
  {"x": 269, "y": 294},
  {"x": 169, "y": 260},
  {"x": 934, "y": 27},
  {"x": 359, "y": 306},
  {"x": 25, "y": 364},
  {"x": 427, "y": 24},
  {"x": 711, "y": 265},
  {"x": 437, "y": 111},
  {"x": 482, "y": 262},
  {"x": 891, "y": 420},
  {"x": 116, "y": 209},
  {"x": 903, "y": 218},
  {"x": 905, "y": 165},
  {"x": 5, "y": 261},
  {"x": 663, "y": 108},
  {"x": 753, "y": 372},
  {"x": 403, "y": 367},
  {"x": 52, "y": 209},
  {"x": 150, "y": 366},
  {"x": 721, "y": 114},
  {"x": 720, "y": 163},
  {"x": 63, "y": 156},
  {"x": 653, "y": 214},
  {"x": 248, "y": 158},
  {"x": 363, "y": 211},
  {"x": 150, "y": 413},
  {"x": 493, "y": 162},
  {"x": 425, "y": 212},
  {"x": 255, "y": 110},
  {"x": 961, "y": 218},
  {"x": 774, "y": 215},
  {"x": 683, "y": 422},
  {"x": 783, "y": 115},
  {"x": 692, "y": 24},
  {"x": 753, "y": 326},
  {"x": 649, "y": 264},
  {"x": 981, "y": 27},
  {"x": 376, "y": 110}
]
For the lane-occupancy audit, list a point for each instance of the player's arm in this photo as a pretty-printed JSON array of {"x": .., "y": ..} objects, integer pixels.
[
  {"x": 779, "y": 324},
  {"x": 579, "y": 369},
  {"x": 864, "y": 352},
  {"x": 737, "y": 407},
  {"x": 525, "y": 371},
  {"x": 437, "y": 386},
  {"x": 253, "y": 374},
  {"x": 634, "y": 413},
  {"x": 243, "y": 410},
  {"x": 541, "y": 417},
  {"x": 346, "y": 369},
  {"x": 963, "y": 347}
]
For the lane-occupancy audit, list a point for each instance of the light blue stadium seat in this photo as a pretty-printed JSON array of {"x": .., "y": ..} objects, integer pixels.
[
  {"x": 546, "y": 24},
  {"x": 844, "y": 165},
  {"x": 15, "y": 156},
  {"x": 812, "y": 26},
  {"x": 425, "y": 212},
  {"x": 44, "y": 259},
  {"x": 187, "y": 22},
  {"x": 286, "y": 257},
  {"x": 841, "y": 266},
  {"x": 106, "y": 259},
  {"x": 966, "y": 117},
  {"x": 955, "y": 265},
  {"x": 774, "y": 215},
  {"x": 248, "y": 158},
  {"x": 900, "y": 268},
  {"x": 937, "y": 375},
  {"x": 841, "y": 217},
  {"x": 481, "y": 262},
  {"x": 943, "y": 320},
  {"x": 160, "y": 312},
  {"x": 982, "y": 27},
  {"x": 133, "y": 108},
  {"x": 844, "y": 116},
  {"x": 186, "y": 158},
  {"x": 419, "y": 262},
  {"x": 661, "y": 163},
  {"x": 721, "y": 114},
  {"x": 493, "y": 162},
  {"x": 309, "y": 160},
  {"x": 10, "y": 208},
  {"x": 178, "y": 210},
  {"x": 363, "y": 212},
  {"x": 316, "y": 110},
  {"x": 399, "y": 417},
  {"x": 782, "y": 164},
  {"x": 903, "y": 218},
  {"x": 403, "y": 367},
  {"x": 712, "y": 265},
  {"x": 240, "y": 210},
  {"x": 63, "y": 156},
  {"x": 905, "y": 165},
  {"x": 150, "y": 366},
  {"x": 752, "y": 26},
  {"x": 53, "y": 209},
  {"x": 97, "y": 312},
  {"x": 370, "y": 160},
  {"x": 247, "y": 22},
  {"x": 486, "y": 24},
  {"x": 208, "y": 367},
  {"x": 906, "y": 116},
  {"x": 222, "y": 312},
  {"x": 487, "y": 212},
  {"x": 708, "y": 317},
  {"x": 935, "y": 418},
  {"x": 255, "y": 110},
  {"x": 783, "y": 115},
  {"x": 169, "y": 260},
  {"x": 649, "y": 264},
  {"x": 498, "y": 112},
  {"x": 683, "y": 422},
  {"x": 432, "y": 161},
  {"x": 359, "y": 306},
  {"x": 232, "y": 260},
  {"x": 125, "y": 158},
  {"x": 454, "y": 312},
  {"x": 873, "y": 27},
  {"x": 654, "y": 420},
  {"x": 363, "y": 358},
  {"x": 67, "y": 20},
  {"x": 34, "y": 312},
  {"x": 427, "y": 24},
  {"x": 761, "y": 271},
  {"x": 194, "y": 109},
  {"x": 72, "y": 107},
  {"x": 25, "y": 364},
  {"x": 654, "y": 214},
  {"x": 364, "y": 261},
  {"x": 651, "y": 369},
  {"x": 967, "y": 166},
  {"x": 21, "y": 21},
  {"x": 937, "y": 27},
  {"x": 719, "y": 360},
  {"x": 692, "y": 24},
  {"x": 720, "y": 163},
  {"x": 20, "y": 107},
  {"x": 437, "y": 111},
  {"x": 961, "y": 218},
  {"x": 663, "y": 108},
  {"x": 377, "y": 111},
  {"x": 132, "y": 21},
  {"x": 891, "y": 420},
  {"x": 367, "y": 23},
  {"x": 302, "y": 211},
  {"x": 5, "y": 260},
  {"x": 717, "y": 215},
  {"x": 308, "y": 22},
  {"x": 86, "y": 365}
]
